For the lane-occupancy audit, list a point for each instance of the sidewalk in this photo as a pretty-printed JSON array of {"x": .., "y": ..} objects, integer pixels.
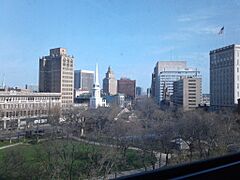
[{"x": 11, "y": 145}]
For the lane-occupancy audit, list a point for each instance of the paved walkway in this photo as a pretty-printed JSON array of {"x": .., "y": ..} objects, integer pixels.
[{"x": 11, "y": 145}]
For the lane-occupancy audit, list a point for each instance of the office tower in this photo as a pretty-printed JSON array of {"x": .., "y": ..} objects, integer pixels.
[
  {"x": 110, "y": 83},
  {"x": 224, "y": 76},
  {"x": 187, "y": 93},
  {"x": 83, "y": 80},
  {"x": 165, "y": 73},
  {"x": 148, "y": 92},
  {"x": 56, "y": 74},
  {"x": 138, "y": 91},
  {"x": 96, "y": 100},
  {"x": 127, "y": 87}
]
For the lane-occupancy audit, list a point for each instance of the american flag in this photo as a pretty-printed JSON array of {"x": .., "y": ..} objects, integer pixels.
[{"x": 221, "y": 30}]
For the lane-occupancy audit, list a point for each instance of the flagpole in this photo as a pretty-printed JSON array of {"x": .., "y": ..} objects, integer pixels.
[{"x": 222, "y": 39}]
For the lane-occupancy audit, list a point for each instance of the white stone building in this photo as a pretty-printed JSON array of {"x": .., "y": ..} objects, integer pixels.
[
  {"x": 225, "y": 76},
  {"x": 20, "y": 109}
]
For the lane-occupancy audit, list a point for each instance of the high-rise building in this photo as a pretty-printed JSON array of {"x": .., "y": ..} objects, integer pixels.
[
  {"x": 225, "y": 76},
  {"x": 127, "y": 87},
  {"x": 148, "y": 92},
  {"x": 56, "y": 74},
  {"x": 110, "y": 83},
  {"x": 96, "y": 100},
  {"x": 83, "y": 79},
  {"x": 187, "y": 93},
  {"x": 138, "y": 91},
  {"x": 165, "y": 73}
]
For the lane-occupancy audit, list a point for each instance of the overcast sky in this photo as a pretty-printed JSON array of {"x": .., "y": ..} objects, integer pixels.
[{"x": 129, "y": 35}]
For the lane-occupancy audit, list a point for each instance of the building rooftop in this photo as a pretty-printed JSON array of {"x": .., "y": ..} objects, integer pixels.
[{"x": 224, "y": 48}]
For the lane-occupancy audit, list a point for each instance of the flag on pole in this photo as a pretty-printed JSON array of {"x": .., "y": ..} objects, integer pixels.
[{"x": 221, "y": 30}]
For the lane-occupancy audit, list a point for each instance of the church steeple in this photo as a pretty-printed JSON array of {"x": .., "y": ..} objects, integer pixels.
[
  {"x": 96, "y": 76},
  {"x": 109, "y": 69},
  {"x": 96, "y": 100}
]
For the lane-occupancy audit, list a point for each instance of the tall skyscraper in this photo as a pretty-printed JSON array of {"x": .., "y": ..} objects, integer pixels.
[
  {"x": 165, "y": 73},
  {"x": 225, "y": 76},
  {"x": 138, "y": 91},
  {"x": 110, "y": 83},
  {"x": 83, "y": 79},
  {"x": 187, "y": 92},
  {"x": 96, "y": 100},
  {"x": 127, "y": 87},
  {"x": 56, "y": 74}
]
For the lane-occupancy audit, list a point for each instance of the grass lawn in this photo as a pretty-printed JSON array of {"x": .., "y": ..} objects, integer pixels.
[
  {"x": 45, "y": 157},
  {"x": 7, "y": 142}
]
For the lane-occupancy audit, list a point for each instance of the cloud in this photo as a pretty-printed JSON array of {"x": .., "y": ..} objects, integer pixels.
[
  {"x": 176, "y": 36},
  {"x": 199, "y": 15},
  {"x": 162, "y": 50},
  {"x": 194, "y": 17},
  {"x": 184, "y": 19},
  {"x": 201, "y": 29}
]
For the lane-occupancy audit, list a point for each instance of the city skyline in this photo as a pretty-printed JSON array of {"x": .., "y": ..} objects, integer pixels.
[{"x": 116, "y": 33}]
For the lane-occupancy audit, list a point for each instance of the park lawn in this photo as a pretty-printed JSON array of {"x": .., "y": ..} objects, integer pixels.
[
  {"x": 35, "y": 154},
  {"x": 4, "y": 143}
]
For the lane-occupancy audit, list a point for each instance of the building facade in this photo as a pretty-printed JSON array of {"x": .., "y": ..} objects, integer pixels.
[
  {"x": 165, "y": 73},
  {"x": 225, "y": 76},
  {"x": 96, "y": 99},
  {"x": 20, "y": 109},
  {"x": 127, "y": 87},
  {"x": 83, "y": 79},
  {"x": 116, "y": 100},
  {"x": 187, "y": 93},
  {"x": 138, "y": 91},
  {"x": 205, "y": 100},
  {"x": 110, "y": 83},
  {"x": 56, "y": 75}
]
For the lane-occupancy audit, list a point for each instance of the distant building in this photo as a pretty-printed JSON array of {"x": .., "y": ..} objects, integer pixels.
[
  {"x": 127, "y": 87},
  {"x": 225, "y": 76},
  {"x": 138, "y": 91},
  {"x": 33, "y": 88},
  {"x": 21, "y": 108},
  {"x": 56, "y": 74},
  {"x": 187, "y": 93},
  {"x": 117, "y": 99},
  {"x": 96, "y": 100},
  {"x": 110, "y": 83},
  {"x": 148, "y": 92},
  {"x": 82, "y": 97},
  {"x": 205, "y": 99},
  {"x": 165, "y": 73},
  {"x": 83, "y": 79}
]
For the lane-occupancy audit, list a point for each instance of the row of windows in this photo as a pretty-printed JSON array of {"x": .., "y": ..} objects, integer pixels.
[
  {"x": 191, "y": 84},
  {"x": 67, "y": 102},
  {"x": 68, "y": 72},
  {"x": 22, "y": 106},
  {"x": 27, "y": 98},
  {"x": 66, "y": 89},
  {"x": 67, "y": 97},
  {"x": 68, "y": 68},
  {"x": 23, "y": 113},
  {"x": 68, "y": 77}
]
